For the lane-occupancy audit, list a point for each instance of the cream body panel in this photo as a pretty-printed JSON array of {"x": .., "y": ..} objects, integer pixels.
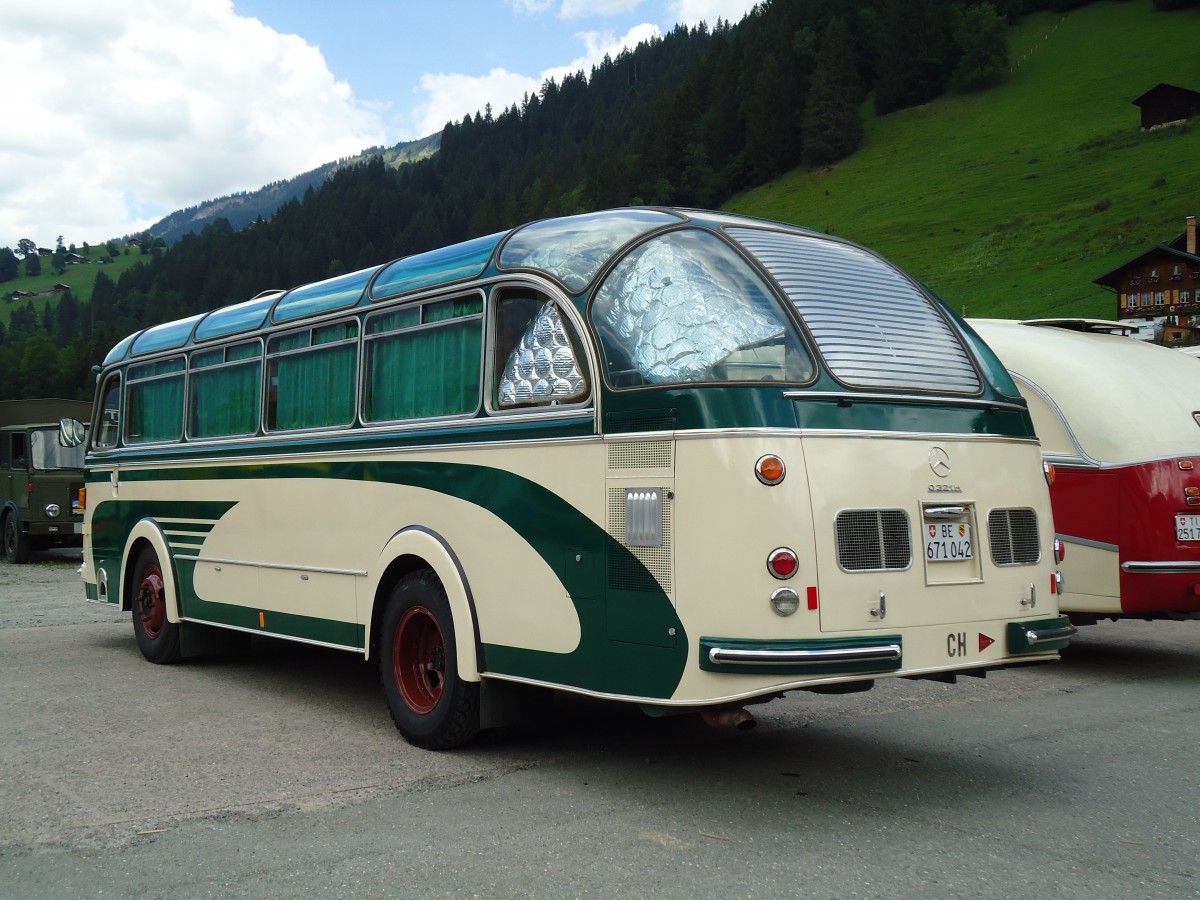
[
  {"x": 894, "y": 473},
  {"x": 726, "y": 525},
  {"x": 315, "y": 547},
  {"x": 1092, "y": 579}
]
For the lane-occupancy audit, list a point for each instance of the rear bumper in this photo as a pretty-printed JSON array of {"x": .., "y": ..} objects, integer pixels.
[{"x": 878, "y": 654}]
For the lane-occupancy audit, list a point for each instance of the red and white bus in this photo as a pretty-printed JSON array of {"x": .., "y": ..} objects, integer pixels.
[{"x": 1119, "y": 420}]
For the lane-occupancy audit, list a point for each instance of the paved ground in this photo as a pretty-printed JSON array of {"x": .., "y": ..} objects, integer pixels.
[{"x": 276, "y": 772}]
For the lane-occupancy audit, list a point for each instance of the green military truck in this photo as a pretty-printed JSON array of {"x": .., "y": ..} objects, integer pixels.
[{"x": 40, "y": 479}]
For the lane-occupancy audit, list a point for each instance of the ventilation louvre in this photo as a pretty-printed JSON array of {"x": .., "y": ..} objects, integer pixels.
[
  {"x": 872, "y": 540},
  {"x": 654, "y": 574},
  {"x": 1013, "y": 535}
]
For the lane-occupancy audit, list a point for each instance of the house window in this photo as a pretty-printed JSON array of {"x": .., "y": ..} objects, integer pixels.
[
  {"x": 1145, "y": 298},
  {"x": 1154, "y": 274},
  {"x": 1130, "y": 300},
  {"x": 1159, "y": 298},
  {"x": 1176, "y": 272},
  {"x": 1185, "y": 296}
]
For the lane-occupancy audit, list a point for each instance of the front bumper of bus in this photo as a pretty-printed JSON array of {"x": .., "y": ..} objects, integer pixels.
[{"x": 877, "y": 654}]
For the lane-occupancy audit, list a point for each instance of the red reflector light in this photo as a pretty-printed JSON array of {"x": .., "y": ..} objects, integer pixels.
[
  {"x": 1193, "y": 501},
  {"x": 1048, "y": 471},
  {"x": 1060, "y": 550},
  {"x": 782, "y": 563}
]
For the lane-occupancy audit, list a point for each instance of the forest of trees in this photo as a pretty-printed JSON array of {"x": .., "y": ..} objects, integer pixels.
[{"x": 687, "y": 119}]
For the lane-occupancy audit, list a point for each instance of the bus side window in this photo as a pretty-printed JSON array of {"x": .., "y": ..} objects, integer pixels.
[
  {"x": 537, "y": 347},
  {"x": 109, "y": 425}
]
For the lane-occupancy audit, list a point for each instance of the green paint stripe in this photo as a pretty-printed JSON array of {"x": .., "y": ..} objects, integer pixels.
[{"x": 554, "y": 529}]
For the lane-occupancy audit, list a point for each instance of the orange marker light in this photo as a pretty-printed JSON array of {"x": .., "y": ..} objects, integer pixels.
[
  {"x": 1185, "y": 465},
  {"x": 770, "y": 469},
  {"x": 262, "y": 620}
]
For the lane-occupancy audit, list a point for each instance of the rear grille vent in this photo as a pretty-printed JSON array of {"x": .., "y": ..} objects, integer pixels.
[
  {"x": 648, "y": 568},
  {"x": 641, "y": 455},
  {"x": 873, "y": 540},
  {"x": 1013, "y": 534}
]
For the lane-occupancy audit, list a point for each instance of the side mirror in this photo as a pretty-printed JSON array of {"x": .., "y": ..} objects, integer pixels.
[{"x": 71, "y": 432}]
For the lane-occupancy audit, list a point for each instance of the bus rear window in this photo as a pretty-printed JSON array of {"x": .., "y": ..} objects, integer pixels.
[
  {"x": 872, "y": 324},
  {"x": 686, "y": 308}
]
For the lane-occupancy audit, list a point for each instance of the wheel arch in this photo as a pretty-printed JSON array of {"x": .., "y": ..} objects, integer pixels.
[
  {"x": 148, "y": 533},
  {"x": 417, "y": 548}
]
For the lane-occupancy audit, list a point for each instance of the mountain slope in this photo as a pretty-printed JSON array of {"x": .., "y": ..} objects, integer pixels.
[
  {"x": 1009, "y": 202},
  {"x": 243, "y": 208}
]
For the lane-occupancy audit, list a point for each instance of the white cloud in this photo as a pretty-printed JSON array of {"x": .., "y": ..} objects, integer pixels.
[
  {"x": 451, "y": 96},
  {"x": 448, "y": 97},
  {"x": 122, "y": 110},
  {"x": 693, "y": 12}
]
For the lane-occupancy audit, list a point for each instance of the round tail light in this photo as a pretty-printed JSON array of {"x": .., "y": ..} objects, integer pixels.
[{"x": 783, "y": 563}]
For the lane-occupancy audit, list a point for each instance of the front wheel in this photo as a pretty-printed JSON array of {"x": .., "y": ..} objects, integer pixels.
[
  {"x": 16, "y": 544},
  {"x": 157, "y": 637},
  {"x": 431, "y": 705}
]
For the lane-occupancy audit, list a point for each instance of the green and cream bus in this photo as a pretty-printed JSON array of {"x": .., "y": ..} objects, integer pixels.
[{"x": 681, "y": 459}]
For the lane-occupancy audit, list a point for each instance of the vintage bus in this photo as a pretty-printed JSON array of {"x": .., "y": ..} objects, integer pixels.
[
  {"x": 681, "y": 459},
  {"x": 1119, "y": 420}
]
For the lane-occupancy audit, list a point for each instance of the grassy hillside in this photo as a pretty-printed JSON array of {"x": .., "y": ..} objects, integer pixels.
[
  {"x": 1010, "y": 202},
  {"x": 81, "y": 278}
]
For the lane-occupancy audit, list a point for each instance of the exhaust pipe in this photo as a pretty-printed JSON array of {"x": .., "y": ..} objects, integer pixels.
[{"x": 728, "y": 718}]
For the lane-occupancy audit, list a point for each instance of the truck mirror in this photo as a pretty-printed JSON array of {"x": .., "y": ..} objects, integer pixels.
[{"x": 71, "y": 432}]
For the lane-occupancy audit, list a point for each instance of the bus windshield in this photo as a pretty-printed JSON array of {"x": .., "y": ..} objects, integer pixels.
[{"x": 685, "y": 308}]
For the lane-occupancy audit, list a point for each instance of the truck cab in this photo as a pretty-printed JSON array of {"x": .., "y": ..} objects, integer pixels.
[{"x": 40, "y": 479}]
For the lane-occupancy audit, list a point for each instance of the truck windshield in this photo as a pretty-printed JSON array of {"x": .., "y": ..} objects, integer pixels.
[{"x": 47, "y": 453}]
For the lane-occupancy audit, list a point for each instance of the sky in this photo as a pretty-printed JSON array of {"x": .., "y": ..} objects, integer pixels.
[{"x": 115, "y": 113}]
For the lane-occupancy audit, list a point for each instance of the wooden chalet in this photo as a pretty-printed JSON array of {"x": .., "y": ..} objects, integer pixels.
[
  {"x": 1163, "y": 281},
  {"x": 1165, "y": 104}
]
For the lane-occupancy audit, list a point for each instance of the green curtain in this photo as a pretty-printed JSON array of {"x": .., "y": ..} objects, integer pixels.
[
  {"x": 430, "y": 372},
  {"x": 155, "y": 410},
  {"x": 225, "y": 401},
  {"x": 315, "y": 388}
]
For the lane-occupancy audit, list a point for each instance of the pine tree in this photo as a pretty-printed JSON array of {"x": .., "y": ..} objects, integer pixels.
[{"x": 833, "y": 127}]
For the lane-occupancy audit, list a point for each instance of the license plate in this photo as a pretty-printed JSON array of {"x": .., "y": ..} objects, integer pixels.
[
  {"x": 949, "y": 541},
  {"x": 1187, "y": 528}
]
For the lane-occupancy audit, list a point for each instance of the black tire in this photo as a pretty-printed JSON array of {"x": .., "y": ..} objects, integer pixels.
[
  {"x": 16, "y": 544},
  {"x": 431, "y": 705},
  {"x": 157, "y": 638}
]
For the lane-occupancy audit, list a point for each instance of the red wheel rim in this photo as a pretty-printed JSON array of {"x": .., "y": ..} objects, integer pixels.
[
  {"x": 151, "y": 607},
  {"x": 419, "y": 660}
]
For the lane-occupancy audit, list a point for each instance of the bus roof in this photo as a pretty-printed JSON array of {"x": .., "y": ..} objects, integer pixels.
[
  {"x": 1124, "y": 400},
  {"x": 571, "y": 250}
]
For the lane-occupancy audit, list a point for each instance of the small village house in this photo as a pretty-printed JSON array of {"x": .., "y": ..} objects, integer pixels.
[{"x": 1162, "y": 282}]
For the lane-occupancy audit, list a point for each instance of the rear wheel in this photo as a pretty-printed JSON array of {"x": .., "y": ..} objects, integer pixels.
[
  {"x": 157, "y": 638},
  {"x": 16, "y": 544},
  {"x": 431, "y": 705}
]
